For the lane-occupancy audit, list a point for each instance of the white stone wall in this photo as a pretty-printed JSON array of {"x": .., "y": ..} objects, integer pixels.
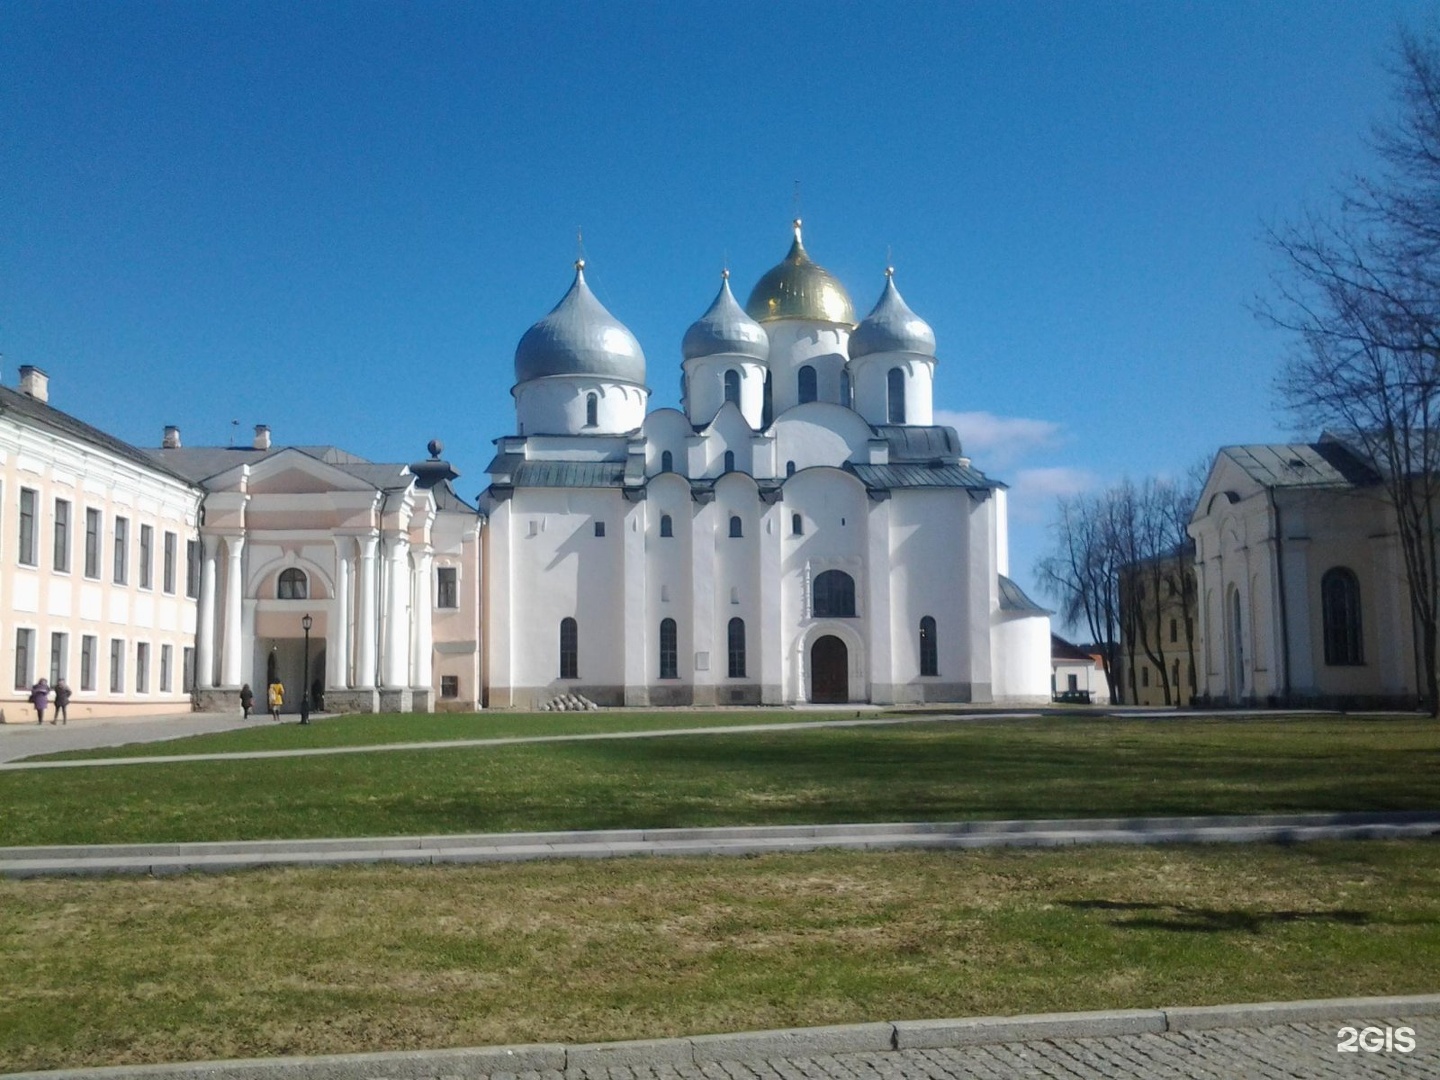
[{"x": 557, "y": 405}]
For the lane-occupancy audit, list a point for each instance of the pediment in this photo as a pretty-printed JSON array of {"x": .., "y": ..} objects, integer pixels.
[{"x": 292, "y": 472}]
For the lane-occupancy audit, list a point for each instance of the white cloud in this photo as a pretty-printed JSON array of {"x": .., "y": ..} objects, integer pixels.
[
  {"x": 1033, "y": 491},
  {"x": 998, "y": 442}
]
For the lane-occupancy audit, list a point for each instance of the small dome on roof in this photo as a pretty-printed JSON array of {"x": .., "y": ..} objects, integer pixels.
[
  {"x": 798, "y": 289},
  {"x": 891, "y": 327},
  {"x": 725, "y": 329},
  {"x": 579, "y": 337}
]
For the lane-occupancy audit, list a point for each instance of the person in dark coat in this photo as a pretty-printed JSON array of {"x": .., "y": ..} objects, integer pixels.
[
  {"x": 62, "y": 701},
  {"x": 40, "y": 698},
  {"x": 247, "y": 700}
]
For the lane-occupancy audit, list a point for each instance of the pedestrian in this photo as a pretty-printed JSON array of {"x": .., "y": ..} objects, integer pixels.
[
  {"x": 247, "y": 700},
  {"x": 277, "y": 698},
  {"x": 40, "y": 698},
  {"x": 62, "y": 701}
]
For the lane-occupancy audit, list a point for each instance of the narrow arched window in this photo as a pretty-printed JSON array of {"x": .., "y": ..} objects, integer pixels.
[
  {"x": 797, "y": 525},
  {"x": 929, "y": 650},
  {"x": 789, "y": 468},
  {"x": 669, "y": 651},
  {"x": 807, "y": 385},
  {"x": 569, "y": 649},
  {"x": 1340, "y": 612},
  {"x": 732, "y": 386},
  {"x": 667, "y": 528},
  {"x": 735, "y": 640},
  {"x": 845, "y": 387},
  {"x": 895, "y": 384},
  {"x": 729, "y": 461},
  {"x": 592, "y": 410},
  {"x": 667, "y": 461},
  {"x": 735, "y": 526},
  {"x": 293, "y": 585},
  {"x": 833, "y": 595}
]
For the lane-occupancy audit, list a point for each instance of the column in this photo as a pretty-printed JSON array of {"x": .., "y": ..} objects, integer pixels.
[
  {"x": 366, "y": 623},
  {"x": 337, "y": 648},
  {"x": 395, "y": 660},
  {"x": 424, "y": 614},
  {"x": 234, "y": 592},
  {"x": 770, "y": 636},
  {"x": 205, "y": 619},
  {"x": 879, "y": 618}
]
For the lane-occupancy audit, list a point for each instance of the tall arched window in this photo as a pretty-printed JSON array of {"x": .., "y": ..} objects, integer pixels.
[
  {"x": 667, "y": 528},
  {"x": 667, "y": 461},
  {"x": 895, "y": 385},
  {"x": 834, "y": 595},
  {"x": 1340, "y": 612},
  {"x": 732, "y": 386},
  {"x": 729, "y": 461},
  {"x": 807, "y": 386},
  {"x": 797, "y": 525},
  {"x": 735, "y": 640},
  {"x": 736, "y": 529},
  {"x": 929, "y": 650},
  {"x": 569, "y": 649},
  {"x": 592, "y": 410},
  {"x": 292, "y": 585},
  {"x": 669, "y": 652}
]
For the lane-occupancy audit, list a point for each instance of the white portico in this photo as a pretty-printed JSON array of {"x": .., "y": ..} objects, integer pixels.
[{"x": 291, "y": 534}]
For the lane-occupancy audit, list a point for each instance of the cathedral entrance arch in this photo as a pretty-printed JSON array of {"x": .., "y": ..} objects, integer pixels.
[{"x": 829, "y": 671}]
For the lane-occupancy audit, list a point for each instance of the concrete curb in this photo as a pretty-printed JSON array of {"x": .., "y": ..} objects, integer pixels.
[
  {"x": 698, "y": 1050},
  {"x": 158, "y": 859}
]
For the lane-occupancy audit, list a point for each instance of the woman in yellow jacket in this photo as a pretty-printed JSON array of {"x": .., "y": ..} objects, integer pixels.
[{"x": 277, "y": 698}]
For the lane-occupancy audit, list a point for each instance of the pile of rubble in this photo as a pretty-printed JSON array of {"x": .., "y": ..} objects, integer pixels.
[{"x": 569, "y": 703}]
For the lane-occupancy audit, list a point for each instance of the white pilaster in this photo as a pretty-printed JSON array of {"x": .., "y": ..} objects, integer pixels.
[
  {"x": 638, "y": 638},
  {"x": 770, "y": 595},
  {"x": 366, "y": 622},
  {"x": 395, "y": 660},
  {"x": 878, "y": 616},
  {"x": 424, "y": 616},
  {"x": 205, "y": 619},
  {"x": 337, "y": 648},
  {"x": 231, "y": 660}
]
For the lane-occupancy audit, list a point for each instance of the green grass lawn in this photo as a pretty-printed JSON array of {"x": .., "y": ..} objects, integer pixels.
[
  {"x": 380, "y": 729},
  {"x": 127, "y": 970},
  {"x": 972, "y": 769}
]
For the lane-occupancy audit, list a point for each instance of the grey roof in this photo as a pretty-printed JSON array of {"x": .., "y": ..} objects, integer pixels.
[
  {"x": 579, "y": 337},
  {"x": 915, "y": 442},
  {"x": 40, "y": 413},
  {"x": 886, "y": 477},
  {"x": 569, "y": 474},
  {"x": 201, "y": 463},
  {"x": 1328, "y": 463},
  {"x": 891, "y": 327},
  {"x": 725, "y": 329},
  {"x": 1060, "y": 649},
  {"x": 1013, "y": 598}
]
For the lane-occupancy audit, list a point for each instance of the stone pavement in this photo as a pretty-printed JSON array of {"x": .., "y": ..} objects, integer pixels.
[
  {"x": 27, "y": 738},
  {"x": 1315, "y": 1040},
  {"x": 224, "y": 856}
]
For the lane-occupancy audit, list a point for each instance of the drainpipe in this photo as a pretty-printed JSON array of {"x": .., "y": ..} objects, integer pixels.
[{"x": 1280, "y": 582}]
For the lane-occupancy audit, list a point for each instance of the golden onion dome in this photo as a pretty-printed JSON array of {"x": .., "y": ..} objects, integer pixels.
[{"x": 798, "y": 289}]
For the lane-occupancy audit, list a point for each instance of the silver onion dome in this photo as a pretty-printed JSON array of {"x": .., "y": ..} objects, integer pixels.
[
  {"x": 579, "y": 337},
  {"x": 725, "y": 328},
  {"x": 891, "y": 327}
]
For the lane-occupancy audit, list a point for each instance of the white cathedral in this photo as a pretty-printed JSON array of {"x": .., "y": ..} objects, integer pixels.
[{"x": 799, "y": 531}]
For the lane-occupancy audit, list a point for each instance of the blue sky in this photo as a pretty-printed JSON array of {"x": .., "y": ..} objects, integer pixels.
[{"x": 339, "y": 219}]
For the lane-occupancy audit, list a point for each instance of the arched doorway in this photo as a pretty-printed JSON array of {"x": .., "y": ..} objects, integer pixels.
[
  {"x": 829, "y": 671},
  {"x": 1236, "y": 674}
]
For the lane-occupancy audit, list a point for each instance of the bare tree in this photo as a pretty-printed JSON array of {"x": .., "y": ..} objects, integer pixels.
[
  {"x": 1360, "y": 289},
  {"x": 1082, "y": 575}
]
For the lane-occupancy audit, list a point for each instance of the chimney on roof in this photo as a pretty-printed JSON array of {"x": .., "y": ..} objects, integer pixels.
[
  {"x": 171, "y": 441},
  {"x": 262, "y": 436},
  {"x": 34, "y": 382}
]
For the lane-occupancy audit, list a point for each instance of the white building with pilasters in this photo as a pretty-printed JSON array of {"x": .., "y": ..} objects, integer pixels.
[
  {"x": 343, "y": 580},
  {"x": 799, "y": 531}
]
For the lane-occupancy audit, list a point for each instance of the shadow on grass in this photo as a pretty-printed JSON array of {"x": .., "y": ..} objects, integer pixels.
[{"x": 1185, "y": 919}]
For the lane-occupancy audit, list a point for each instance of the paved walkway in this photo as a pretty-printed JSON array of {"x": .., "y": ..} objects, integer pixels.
[
  {"x": 1316, "y": 1040},
  {"x": 22, "y": 740}
]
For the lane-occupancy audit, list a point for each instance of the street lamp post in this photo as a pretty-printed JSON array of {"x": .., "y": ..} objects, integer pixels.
[{"x": 306, "y": 623}]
